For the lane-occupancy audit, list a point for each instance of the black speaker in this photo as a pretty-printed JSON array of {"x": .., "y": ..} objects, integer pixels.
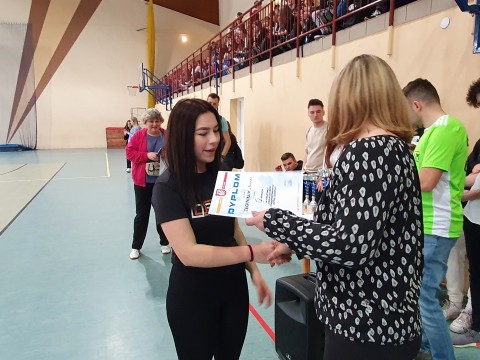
[{"x": 299, "y": 335}]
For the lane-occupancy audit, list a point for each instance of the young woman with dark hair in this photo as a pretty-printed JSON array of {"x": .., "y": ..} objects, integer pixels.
[{"x": 207, "y": 297}]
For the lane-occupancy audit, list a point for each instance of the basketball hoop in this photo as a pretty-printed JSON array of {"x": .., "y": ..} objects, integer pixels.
[{"x": 132, "y": 90}]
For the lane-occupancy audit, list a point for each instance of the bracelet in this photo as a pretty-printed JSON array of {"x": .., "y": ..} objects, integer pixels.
[{"x": 251, "y": 252}]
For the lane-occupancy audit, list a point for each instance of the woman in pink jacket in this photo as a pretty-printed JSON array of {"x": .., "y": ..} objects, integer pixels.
[{"x": 142, "y": 150}]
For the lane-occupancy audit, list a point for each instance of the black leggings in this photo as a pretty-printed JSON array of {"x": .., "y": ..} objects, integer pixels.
[
  {"x": 339, "y": 347},
  {"x": 143, "y": 204},
  {"x": 207, "y": 310},
  {"x": 472, "y": 243}
]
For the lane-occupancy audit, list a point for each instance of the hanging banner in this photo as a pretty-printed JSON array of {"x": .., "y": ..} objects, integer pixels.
[{"x": 151, "y": 48}]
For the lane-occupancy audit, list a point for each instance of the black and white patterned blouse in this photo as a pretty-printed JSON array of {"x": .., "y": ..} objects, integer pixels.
[{"x": 367, "y": 240}]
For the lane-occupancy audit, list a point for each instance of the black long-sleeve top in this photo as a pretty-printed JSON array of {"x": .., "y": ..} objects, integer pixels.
[{"x": 367, "y": 240}]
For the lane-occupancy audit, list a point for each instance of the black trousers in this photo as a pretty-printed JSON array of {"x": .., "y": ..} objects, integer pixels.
[
  {"x": 471, "y": 231},
  {"x": 338, "y": 347},
  {"x": 207, "y": 310},
  {"x": 129, "y": 163},
  {"x": 143, "y": 204}
]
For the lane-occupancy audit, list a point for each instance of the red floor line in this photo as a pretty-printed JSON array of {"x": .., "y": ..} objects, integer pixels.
[{"x": 262, "y": 323}]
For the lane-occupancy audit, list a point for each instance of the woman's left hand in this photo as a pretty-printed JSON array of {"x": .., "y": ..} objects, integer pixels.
[
  {"x": 256, "y": 220},
  {"x": 263, "y": 291},
  {"x": 152, "y": 156},
  {"x": 476, "y": 169},
  {"x": 319, "y": 184}
]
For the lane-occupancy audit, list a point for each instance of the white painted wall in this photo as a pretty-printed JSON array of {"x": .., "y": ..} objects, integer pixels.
[
  {"x": 88, "y": 91},
  {"x": 229, "y": 8}
]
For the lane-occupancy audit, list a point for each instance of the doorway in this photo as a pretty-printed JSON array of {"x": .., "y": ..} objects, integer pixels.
[{"x": 237, "y": 121}]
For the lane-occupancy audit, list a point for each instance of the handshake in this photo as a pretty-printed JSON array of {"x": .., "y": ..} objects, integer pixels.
[
  {"x": 268, "y": 252},
  {"x": 271, "y": 252}
]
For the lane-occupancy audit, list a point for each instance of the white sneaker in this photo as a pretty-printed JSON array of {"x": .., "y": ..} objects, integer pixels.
[
  {"x": 470, "y": 338},
  {"x": 166, "y": 249},
  {"x": 463, "y": 322},
  {"x": 134, "y": 254},
  {"x": 128, "y": 170},
  {"x": 451, "y": 310}
]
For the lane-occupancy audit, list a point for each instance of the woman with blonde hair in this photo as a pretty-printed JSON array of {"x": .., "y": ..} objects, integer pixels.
[
  {"x": 135, "y": 126},
  {"x": 367, "y": 232}
]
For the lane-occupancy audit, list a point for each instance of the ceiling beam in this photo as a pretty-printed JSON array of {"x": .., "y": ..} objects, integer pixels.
[{"x": 206, "y": 10}]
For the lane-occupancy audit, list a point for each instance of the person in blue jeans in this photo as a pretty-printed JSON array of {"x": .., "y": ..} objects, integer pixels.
[{"x": 440, "y": 156}]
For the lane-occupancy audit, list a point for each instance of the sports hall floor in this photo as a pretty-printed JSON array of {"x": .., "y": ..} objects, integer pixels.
[{"x": 68, "y": 289}]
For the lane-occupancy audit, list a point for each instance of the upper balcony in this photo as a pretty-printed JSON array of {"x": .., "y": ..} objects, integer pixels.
[{"x": 265, "y": 31}]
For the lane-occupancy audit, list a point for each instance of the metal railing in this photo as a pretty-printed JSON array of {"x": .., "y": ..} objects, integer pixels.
[{"x": 263, "y": 32}]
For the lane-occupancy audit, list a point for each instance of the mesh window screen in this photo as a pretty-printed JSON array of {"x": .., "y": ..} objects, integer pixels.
[{"x": 18, "y": 127}]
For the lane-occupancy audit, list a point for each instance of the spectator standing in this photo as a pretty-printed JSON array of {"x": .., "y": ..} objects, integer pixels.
[
  {"x": 473, "y": 99},
  {"x": 315, "y": 148},
  {"x": 316, "y": 142},
  {"x": 214, "y": 100},
  {"x": 471, "y": 230},
  {"x": 453, "y": 308},
  {"x": 135, "y": 127},
  {"x": 255, "y": 10},
  {"x": 462, "y": 318},
  {"x": 234, "y": 158},
  {"x": 471, "y": 227},
  {"x": 440, "y": 155},
  {"x": 126, "y": 134},
  {"x": 142, "y": 150}
]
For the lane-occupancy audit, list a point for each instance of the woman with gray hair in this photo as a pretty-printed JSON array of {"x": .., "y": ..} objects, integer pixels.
[{"x": 143, "y": 151}]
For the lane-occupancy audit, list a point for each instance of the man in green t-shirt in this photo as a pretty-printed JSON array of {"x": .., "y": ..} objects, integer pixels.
[{"x": 440, "y": 156}]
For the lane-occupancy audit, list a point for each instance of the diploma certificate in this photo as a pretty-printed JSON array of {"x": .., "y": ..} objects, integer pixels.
[{"x": 237, "y": 194}]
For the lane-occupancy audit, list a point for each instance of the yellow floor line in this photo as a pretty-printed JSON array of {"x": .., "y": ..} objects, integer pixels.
[
  {"x": 83, "y": 177},
  {"x": 70, "y": 178},
  {"x": 108, "y": 165}
]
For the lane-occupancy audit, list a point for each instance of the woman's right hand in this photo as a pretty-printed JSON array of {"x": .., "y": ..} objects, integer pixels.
[
  {"x": 261, "y": 251},
  {"x": 264, "y": 293},
  {"x": 280, "y": 255}
]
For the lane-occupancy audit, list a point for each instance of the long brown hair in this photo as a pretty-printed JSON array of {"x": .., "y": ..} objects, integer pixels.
[
  {"x": 181, "y": 160},
  {"x": 366, "y": 91}
]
